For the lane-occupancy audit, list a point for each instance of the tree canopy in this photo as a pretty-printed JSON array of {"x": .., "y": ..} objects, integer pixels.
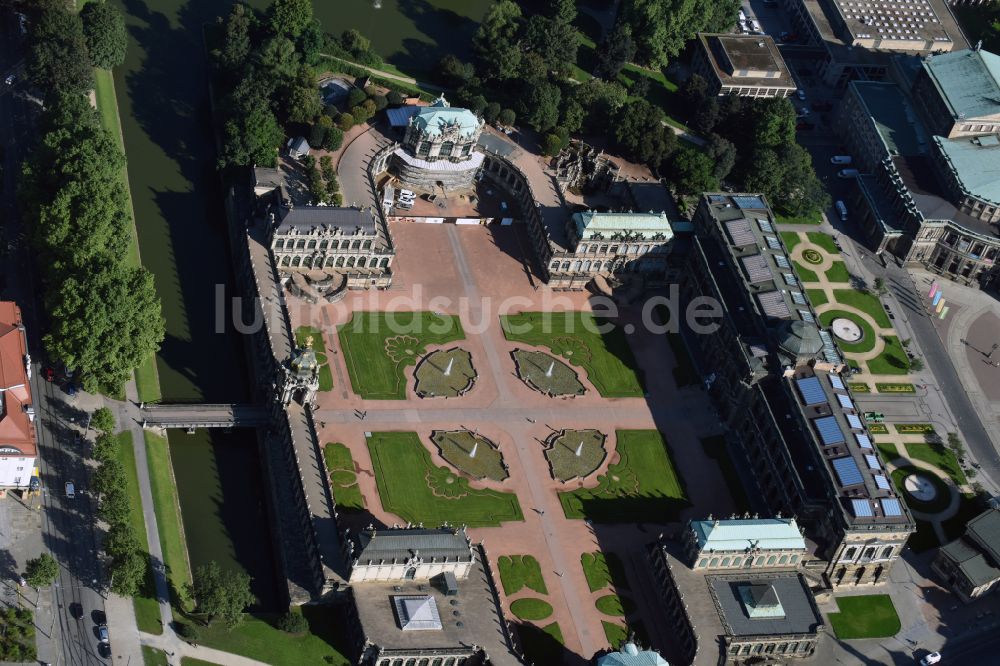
[
  {"x": 58, "y": 61},
  {"x": 221, "y": 593},
  {"x": 661, "y": 28},
  {"x": 104, "y": 30},
  {"x": 41, "y": 571}
]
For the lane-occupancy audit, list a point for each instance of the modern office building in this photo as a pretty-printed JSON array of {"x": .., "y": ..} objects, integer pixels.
[
  {"x": 775, "y": 381},
  {"x": 860, "y": 37},
  {"x": 970, "y": 565},
  {"x": 744, "y": 65},
  {"x": 18, "y": 447}
]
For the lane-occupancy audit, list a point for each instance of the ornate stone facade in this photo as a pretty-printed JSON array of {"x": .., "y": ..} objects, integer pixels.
[
  {"x": 439, "y": 149},
  {"x": 409, "y": 554}
]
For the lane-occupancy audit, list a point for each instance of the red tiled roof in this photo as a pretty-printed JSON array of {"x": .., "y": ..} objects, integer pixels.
[{"x": 16, "y": 430}]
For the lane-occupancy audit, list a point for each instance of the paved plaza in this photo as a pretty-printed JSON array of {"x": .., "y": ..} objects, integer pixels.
[{"x": 477, "y": 273}]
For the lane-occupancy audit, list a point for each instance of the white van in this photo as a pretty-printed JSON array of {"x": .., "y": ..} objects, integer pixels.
[
  {"x": 848, "y": 173},
  {"x": 841, "y": 210}
]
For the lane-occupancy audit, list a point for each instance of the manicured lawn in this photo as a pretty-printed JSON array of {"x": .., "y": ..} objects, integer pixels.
[
  {"x": 518, "y": 571},
  {"x": 822, "y": 240},
  {"x": 865, "y": 302},
  {"x": 603, "y": 570},
  {"x": 940, "y": 456},
  {"x": 805, "y": 274},
  {"x": 146, "y": 377},
  {"x": 642, "y": 486},
  {"x": 867, "y": 616},
  {"x": 153, "y": 657},
  {"x": 343, "y": 479},
  {"x": 191, "y": 661},
  {"x": 147, "y": 611},
  {"x": 542, "y": 645},
  {"x": 893, "y": 359},
  {"x": 838, "y": 272},
  {"x": 790, "y": 239},
  {"x": 531, "y": 609},
  {"x": 606, "y": 357},
  {"x": 315, "y": 336},
  {"x": 941, "y": 500},
  {"x": 378, "y": 346},
  {"x": 612, "y": 604},
  {"x": 257, "y": 638},
  {"x": 168, "y": 517},
  {"x": 888, "y": 450},
  {"x": 414, "y": 489},
  {"x": 815, "y": 218},
  {"x": 867, "y": 342},
  {"x": 616, "y": 634},
  {"x": 715, "y": 448},
  {"x": 817, "y": 297}
]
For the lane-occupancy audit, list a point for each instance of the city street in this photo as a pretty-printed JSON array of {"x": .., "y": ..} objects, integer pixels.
[{"x": 68, "y": 612}]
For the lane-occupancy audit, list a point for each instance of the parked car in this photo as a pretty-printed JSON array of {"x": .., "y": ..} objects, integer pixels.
[
  {"x": 102, "y": 633},
  {"x": 801, "y": 94},
  {"x": 932, "y": 658},
  {"x": 70, "y": 490},
  {"x": 10, "y": 79},
  {"x": 841, "y": 159},
  {"x": 841, "y": 210},
  {"x": 848, "y": 173}
]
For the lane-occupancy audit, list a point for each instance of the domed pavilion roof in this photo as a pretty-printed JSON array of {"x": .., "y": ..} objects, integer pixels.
[
  {"x": 440, "y": 116},
  {"x": 800, "y": 339}
]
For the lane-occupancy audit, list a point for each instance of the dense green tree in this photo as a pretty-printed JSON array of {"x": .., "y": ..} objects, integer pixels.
[
  {"x": 221, "y": 593},
  {"x": 495, "y": 41},
  {"x": 491, "y": 113},
  {"x": 334, "y": 138},
  {"x": 562, "y": 11},
  {"x": 345, "y": 121},
  {"x": 277, "y": 62},
  {"x": 554, "y": 41},
  {"x": 302, "y": 102},
  {"x": 105, "y": 447},
  {"x": 723, "y": 155},
  {"x": 235, "y": 47},
  {"x": 251, "y": 137},
  {"x": 507, "y": 117},
  {"x": 354, "y": 42},
  {"x": 603, "y": 101},
  {"x": 108, "y": 477},
  {"x": 41, "y": 571},
  {"x": 121, "y": 540},
  {"x": 103, "y": 420},
  {"x": 773, "y": 122},
  {"x": 105, "y": 323},
  {"x": 104, "y": 31},
  {"x": 661, "y": 28},
  {"x": 128, "y": 573},
  {"x": 452, "y": 72},
  {"x": 293, "y": 623},
  {"x": 614, "y": 52},
  {"x": 58, "y": 61},
  {"x": 395, "y": 98},
  {"x": 572, "y": 115},
  {"x": 692, "y": 171},
  {"x": 290, "y": 17},
  {"x": 310, "y": 42},
  {"x": 114, "y": 508},
  {"x": 540, "y": 105},
  {"x": 551, "y": 144},
  {"x": 640, "y": 133}
]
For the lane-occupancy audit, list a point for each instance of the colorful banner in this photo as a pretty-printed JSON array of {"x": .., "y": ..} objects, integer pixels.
[
  {"x": 934, "y": 290},
  {"x": 937, "y": 298},
  {"x": 944, "y": 313},
  {"x": 940, "y": 305}
]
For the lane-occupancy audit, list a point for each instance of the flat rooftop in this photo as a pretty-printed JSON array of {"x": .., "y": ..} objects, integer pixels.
[
  {"x": 835, "y": 424},
  {"x": 969, "y": 81},
  {"x": 908, "y": 21},
  {"x": 746, "y": 60},
  {"x": 472, "y": 617},
  {"x": 895, "y": 119},
  {"x": 975, "y": 161}
]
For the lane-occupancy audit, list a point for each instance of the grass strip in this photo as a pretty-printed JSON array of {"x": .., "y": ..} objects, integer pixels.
[{"x": 168, "y": 517}]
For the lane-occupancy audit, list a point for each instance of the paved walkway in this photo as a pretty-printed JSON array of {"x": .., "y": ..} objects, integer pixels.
[
  {"x": 459, "y": 270},
  {"x": 387, "y": 75},
  {"x": 177, "y": 649}
]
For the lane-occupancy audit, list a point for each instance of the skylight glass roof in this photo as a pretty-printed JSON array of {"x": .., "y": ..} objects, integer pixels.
[
  {"x": 829, "y": 430},
  {"x": 836, "y": 382},
  {"x": 854, "y": 422},
  {"x": 862, "y": 508},
  {"x": 811, "y": 391},
  {"x": 845, "y": 401},
  {"x": 872, "y": 461},
  {"x": 864, "y": 441},
  {"x": 881, "y": 482},
  {"x": 891, "y": 507},
  {"x": 847, "y": 471}
]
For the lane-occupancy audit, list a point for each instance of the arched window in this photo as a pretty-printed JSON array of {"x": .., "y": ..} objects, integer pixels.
[
  {"x": 446, "y": 149},
  {"x": 703, "y": 562},
  {"x": 296, "y": 261},
  {"x": 576, "y": 265},
  {"x": 355, "y": 244},
  {"x": 726, "y": 561},
  {"x": 366, "y": 245},
  {"x": 340, "y": 262},
  {"x": 887, "y": 552},
  {"x": 425, "y": 148},
  {"x": 714, "y": 563},
  {"x": 329, "y": 261},
  {"x": 307, "y": 262},
  {"x": 361, "y": 262},
  {"x": 850, "y": 553},
  {"x": 737, "y": 561},
  {"x": 285, "y": 260},
  {"x": 384, "y": 263},
  {"x": 555, "y": 265},
  {"x": 586, "y": 266},
  {"x": 466, "y": 149},
  {"x": 279, "y": 244},
  {"x": 771, "y": 560},
  {"x": 301, "y": 244},
  {"x": 324, "y": 245},
  {"x": 350, "y": 262},
  {"x": 311, "y": 245},
  {"x": 783, "y": 559}
]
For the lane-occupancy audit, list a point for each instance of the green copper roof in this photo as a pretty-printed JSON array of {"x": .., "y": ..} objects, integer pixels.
[
  {"x": 976, "y": 164},
  {"x": 893, "y": 117},
  {"x": 437, "y": 117},
  {"x": 631, "y": 655},
  {"x": 739, "y": 534},
  {"x": 969, "y": 81},
  {"x": 974, "y": 565},
  {"x": 645, "y": 225}
]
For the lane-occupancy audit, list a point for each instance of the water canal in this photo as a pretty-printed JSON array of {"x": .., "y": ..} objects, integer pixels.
[{"x": 163, "y": 103}]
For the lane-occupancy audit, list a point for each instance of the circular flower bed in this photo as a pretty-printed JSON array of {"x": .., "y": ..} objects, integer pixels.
[{"x": 811, "y": 256}]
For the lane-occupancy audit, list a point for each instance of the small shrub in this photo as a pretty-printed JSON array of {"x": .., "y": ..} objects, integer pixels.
[
  {"x": 103, "y": 420},
  {"x": 188, "y": 632},
  {"x": 355, "y": 97},
  {"x": 394, "y": 98},
  {"x": 380, "y": 101},
  {"x": 507, "y": 117},
  {"x": 293, "y": 623},
  {"x": 334, "y": 138},
  {"x": 345, "y": 121}
]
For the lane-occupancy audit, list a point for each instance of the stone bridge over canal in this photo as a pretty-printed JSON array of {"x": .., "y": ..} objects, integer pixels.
[{"x": 193, "y": 416}]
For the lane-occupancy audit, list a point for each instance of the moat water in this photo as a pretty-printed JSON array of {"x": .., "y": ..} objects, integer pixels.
[{"x": 163, "y": 102}]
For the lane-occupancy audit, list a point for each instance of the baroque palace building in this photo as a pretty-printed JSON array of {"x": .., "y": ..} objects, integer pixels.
[{"x": 777, "y": 385}]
